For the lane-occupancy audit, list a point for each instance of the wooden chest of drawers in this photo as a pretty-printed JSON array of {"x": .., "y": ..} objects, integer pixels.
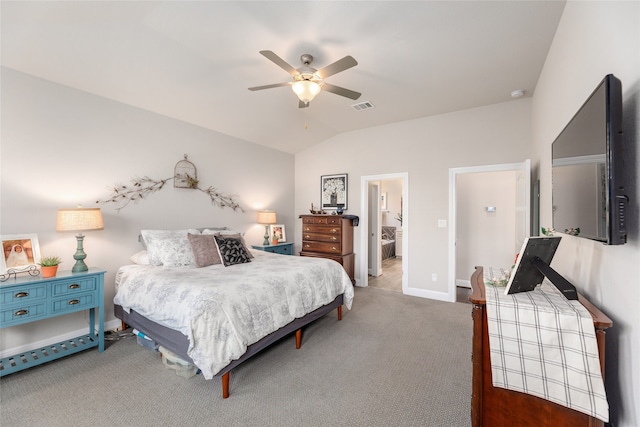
[{"x": 329, "y": 236}]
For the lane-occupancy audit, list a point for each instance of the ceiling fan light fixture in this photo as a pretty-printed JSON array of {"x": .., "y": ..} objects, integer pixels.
[{"x": 306, "y": 90}]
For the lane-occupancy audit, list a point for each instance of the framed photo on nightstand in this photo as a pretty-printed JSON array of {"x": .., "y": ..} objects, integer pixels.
[
  {"x": 20, "y": 253},
  {"x": 278, "y": 230}
]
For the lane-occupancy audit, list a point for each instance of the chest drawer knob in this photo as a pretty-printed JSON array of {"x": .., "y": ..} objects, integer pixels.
[
  {"x": 21, "y": 312},
  {"x": 334, "y": 238},
  {"x": 21, "y": 294},
  {"x": 307, "y": 237},
  {"x": 307, "y": 229},
  {"x": 73, "y": 302},
  {"x": 334, "y": 248},
  {"x": 74, "y": 286},
  {"x": 334, "y": 230}
]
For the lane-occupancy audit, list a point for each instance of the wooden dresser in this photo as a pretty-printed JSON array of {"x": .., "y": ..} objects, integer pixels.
[
  {"x": 329, "y": 236},
  {"x": 494, "y": 406}
]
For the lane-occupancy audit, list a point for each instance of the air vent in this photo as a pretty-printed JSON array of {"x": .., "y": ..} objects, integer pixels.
[{"x": 363, "y": 106}]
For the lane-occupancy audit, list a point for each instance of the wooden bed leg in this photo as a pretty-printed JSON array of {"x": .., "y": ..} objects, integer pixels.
[
  {"x": 298, "y": 339},
  {"x": 339, "y": 312},
  {"x": 225, "y": 385}
]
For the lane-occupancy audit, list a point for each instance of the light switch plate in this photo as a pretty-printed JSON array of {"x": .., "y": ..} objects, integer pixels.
[{"x": 442, "y": 223}]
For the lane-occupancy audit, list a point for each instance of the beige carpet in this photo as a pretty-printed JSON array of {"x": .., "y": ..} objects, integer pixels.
[{"x": 393, "y": 360}]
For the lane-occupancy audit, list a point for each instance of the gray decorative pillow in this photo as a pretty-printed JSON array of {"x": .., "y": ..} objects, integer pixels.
[
  {"x": 205, "y": 250},
  {"x": 231, "y": 250}
]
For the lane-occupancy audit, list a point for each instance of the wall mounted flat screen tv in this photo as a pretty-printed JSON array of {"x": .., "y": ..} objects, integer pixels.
[{"x": 587, "y": 169}]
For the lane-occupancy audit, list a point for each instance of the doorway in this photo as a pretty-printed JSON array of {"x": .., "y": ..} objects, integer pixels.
[
  {"x": 484, "y": 207},
  {"x": 373, "y": 200}
]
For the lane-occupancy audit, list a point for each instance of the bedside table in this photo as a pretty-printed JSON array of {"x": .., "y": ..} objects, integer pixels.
[
  {"x": 28, "y": 299},
  {"x": 280, "y": 248}
]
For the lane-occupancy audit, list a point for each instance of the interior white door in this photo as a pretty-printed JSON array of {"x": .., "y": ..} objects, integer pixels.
[
  {"x": 523, "y": 203},
  {"x": 373, "y": 230}
]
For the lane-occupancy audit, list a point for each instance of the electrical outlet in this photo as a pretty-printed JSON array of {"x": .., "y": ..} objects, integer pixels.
[{"x": 434, "y": 277}]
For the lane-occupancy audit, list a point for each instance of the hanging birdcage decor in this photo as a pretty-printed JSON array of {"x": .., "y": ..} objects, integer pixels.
[{"x": 185, "y": 174}]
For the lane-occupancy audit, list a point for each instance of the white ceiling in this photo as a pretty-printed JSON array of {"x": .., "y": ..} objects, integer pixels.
[{"x": 194, "y": 60}]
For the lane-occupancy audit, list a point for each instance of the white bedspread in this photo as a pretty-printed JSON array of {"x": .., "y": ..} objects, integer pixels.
[{"x": 223, "y": 310}]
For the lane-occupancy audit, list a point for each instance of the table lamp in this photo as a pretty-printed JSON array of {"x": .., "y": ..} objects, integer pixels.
[
  {"x": 79, "y": 219},
  {"x": 266, "y": 218}
]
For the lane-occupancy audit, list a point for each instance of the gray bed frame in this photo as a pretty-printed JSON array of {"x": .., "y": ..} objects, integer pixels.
[{"x": 178, "y": 343}]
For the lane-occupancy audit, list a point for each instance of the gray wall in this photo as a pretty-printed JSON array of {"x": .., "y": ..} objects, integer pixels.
[
  {"x": 594, "y": 39},
  {"x": 62, "y": 147},
  {"x": 425, "y": 149}
]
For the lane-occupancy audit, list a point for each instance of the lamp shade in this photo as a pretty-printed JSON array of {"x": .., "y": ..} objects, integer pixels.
[
  {"x": 306, "y": 90},
  {"x": 79, "y": 219},
  {"x": 266, "y": 217}
]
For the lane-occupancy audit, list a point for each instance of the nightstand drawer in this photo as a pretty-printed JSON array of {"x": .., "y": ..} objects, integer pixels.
[
  {"x": 73, "y": 303},
  {"x": 23, "y": 293},
  {"x": 22, "y": 313},
  {"x": 73, "y": 286}
]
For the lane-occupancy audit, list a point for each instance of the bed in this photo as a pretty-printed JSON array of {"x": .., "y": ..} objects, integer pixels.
[{"x": 218, "y": 316}]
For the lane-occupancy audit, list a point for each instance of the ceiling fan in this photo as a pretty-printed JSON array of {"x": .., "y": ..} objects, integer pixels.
[{"x": 307, "y": 81}]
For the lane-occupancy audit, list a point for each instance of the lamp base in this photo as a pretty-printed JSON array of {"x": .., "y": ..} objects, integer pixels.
[
  {"x": 266, "y": 236},
  {"x": 79, "y": 256}
]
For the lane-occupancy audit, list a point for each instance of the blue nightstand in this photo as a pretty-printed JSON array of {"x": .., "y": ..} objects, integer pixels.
[
  {"x": 280, "y": 248},
  {"x": 28, "y": 299}
]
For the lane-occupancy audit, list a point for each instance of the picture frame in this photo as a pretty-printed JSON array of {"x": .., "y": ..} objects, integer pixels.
[
  {"x": 334, "y": 191},
  {"x": 278, "y": 230},
  {"x": 20, "y": 254}
]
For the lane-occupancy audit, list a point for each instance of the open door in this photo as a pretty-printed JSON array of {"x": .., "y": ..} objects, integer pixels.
[
  {"x": 375, "y": 260},
  {"x": 467, "y": 221}
]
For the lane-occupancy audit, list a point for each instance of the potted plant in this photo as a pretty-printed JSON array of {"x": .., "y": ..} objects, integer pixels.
[{"x": 49, "y": 265}]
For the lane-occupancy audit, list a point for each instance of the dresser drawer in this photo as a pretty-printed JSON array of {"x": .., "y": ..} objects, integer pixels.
[
  {"x": 23, "y": 294},
  {"x": 317, "y": 237},
  {"x": 73, "y": 303},
  {"x": 73, "y": 286},
  {"x": 22, "y": 313},
  {"x": 326, "y": 229},
  {"x": 330, "y": 248}
]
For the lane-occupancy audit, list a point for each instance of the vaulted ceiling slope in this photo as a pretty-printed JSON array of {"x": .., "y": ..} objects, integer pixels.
[{"x": 194, "y": 60}]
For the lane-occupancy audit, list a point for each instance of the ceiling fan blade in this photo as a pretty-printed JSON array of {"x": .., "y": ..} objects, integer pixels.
[
  {"x": 338, "y": 66},
  {"x": 341, "y": 91},
  {"x": 279, "y": 62},
  {"x": 302, "y": 104},
  {"x": 270, "y": 86}
]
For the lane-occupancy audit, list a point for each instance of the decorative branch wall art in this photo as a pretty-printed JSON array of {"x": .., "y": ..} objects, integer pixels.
[{"x": 141, "y": 188}]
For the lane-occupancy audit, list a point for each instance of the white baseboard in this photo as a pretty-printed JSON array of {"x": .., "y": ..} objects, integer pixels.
[
  {"x": 423, "y": 293},
  {"x": 115, "y": 324}
]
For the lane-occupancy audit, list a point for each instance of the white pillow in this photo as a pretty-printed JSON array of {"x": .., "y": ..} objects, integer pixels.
[
  {"x": 140, "y": 258},
  {"x": 169, "y": 248}
]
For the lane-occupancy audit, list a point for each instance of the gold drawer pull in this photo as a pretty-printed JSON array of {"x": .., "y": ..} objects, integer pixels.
[
  {"x": 74, "y": 286},
  {"x": 334, "y": 230},
  {"x": 74, "y": 302},
  {"x": 307, "y": 229},
  {"x": 334, "y": 248},
  {"x": 334, "y": 238},
  {"x": 21, "y": 312},
  {"x": 21, "y": 294},
  {"x": 307, "y": 237},
  {"x": 307, "y": 246}
]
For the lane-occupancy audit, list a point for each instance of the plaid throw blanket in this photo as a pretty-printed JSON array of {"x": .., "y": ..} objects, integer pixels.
[{"x": 544, "y": 345}]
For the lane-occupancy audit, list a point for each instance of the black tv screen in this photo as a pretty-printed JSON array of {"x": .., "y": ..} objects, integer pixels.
[{"x": 587, "y": 169}]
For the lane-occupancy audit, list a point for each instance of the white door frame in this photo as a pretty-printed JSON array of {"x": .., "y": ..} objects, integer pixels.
[
  {"x": 364, "y": 223},
  {"x": 453, "y": 173}
]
